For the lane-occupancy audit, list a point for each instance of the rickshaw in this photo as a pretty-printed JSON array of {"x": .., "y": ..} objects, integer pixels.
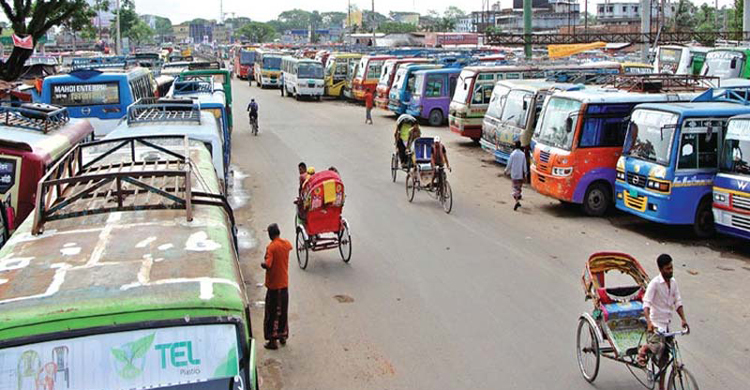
[
  {"x": 404, "y": 119},
  {"x": 616, "y": 328},
  {"x": 320, "y": 225},
  {"x": 422, "y": 176}
]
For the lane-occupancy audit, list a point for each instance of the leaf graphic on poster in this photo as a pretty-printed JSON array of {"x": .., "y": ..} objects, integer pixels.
[
  {"x": 141, "y": 346},
  {"x": 228, "y": 367},
  {"x": 120, "y": 355}
]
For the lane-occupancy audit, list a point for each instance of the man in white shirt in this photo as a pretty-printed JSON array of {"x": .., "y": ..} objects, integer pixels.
[
  {"x": 517, "y": 169},
  {"x": 661, "y": 300}
]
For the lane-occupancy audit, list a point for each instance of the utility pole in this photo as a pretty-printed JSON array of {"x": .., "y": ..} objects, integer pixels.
[
  {"x": 373, "y": 23},
  {"x": 745, "y": 18},
  {"x": 221, "y": 11},
  {"x": 527, "y": 28},
  {"x": 118, "y": 44},
  {"x": 645, "y": 28}
]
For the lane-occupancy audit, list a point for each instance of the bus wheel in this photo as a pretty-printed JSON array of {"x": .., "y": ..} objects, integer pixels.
[
  {"x": 703, "y": 226},
  {"x": 436, "y": 117},
  {"x": 597, "y": 200}
]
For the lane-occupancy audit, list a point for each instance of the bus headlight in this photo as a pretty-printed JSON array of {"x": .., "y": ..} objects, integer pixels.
[
  {"x": 721, "y": 198},
  {"x": 660, "y": 186},
  {"x": 562, "y": 172},
  {"x": 621, "y": 175}
]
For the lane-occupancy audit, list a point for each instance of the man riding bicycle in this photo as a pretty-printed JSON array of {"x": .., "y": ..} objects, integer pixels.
[{"x": 253, "y": 108}]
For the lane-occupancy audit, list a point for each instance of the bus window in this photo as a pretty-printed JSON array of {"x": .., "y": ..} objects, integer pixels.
[
  {"x": 85, "y": 94},
  {"x": 698, "y": 151},
  {"x": 453, "y": 83},
  {"x": 434, "y": 86},
  {"x": 602, "y": 132},
  {"x": 482, "y": 94}
]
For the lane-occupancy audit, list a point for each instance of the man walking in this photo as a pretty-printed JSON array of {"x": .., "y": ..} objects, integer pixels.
[
  {"x": 276, "y": 264},
  {"x": 368, "y": 107},
  {"x": 517, "y": 169}
]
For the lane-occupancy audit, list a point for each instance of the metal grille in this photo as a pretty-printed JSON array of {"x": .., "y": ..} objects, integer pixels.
[
  {"x": 636, "y": 203},
  {"x": 636, "y": 179},
  {"x": 741, "y": 202},
  {"x": 544, "y": 156},
  {"x": 741, "y": 222},
  {"x": 153, "y": 110}
]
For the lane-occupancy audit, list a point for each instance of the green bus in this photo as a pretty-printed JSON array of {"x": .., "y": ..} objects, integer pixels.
[
  {"x": 221, "y": 76},
  {"x": 127, "y": 276},
  {"x": 727, "y": 63}
]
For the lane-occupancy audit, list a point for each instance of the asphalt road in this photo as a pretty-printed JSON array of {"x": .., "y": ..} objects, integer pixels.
[{"x": 482, "y": 298}]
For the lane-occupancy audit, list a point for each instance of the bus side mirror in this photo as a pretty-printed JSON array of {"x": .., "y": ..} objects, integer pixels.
[
  {"x": 733, "y": 64},
  {"x": 569, "y": 124}
]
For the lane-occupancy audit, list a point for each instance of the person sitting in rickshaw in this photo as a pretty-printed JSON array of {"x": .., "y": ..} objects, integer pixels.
[
  {"x": 303, "y": 178},
  {"x": 407, "y": 130},
  {"x": 438, "y": 160}
]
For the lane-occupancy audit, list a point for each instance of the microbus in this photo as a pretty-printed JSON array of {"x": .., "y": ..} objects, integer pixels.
[
  {"x": 390, "y": 69},
  {"x": 302, "y": 77},
  {"x": 267, "y": 68},
  {"x": 433, "y": 89}
]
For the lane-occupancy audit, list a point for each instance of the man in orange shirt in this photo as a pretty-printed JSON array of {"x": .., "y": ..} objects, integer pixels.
[
  {"x": 368, "y": 107},
  {"x": 276, "y": 264}
]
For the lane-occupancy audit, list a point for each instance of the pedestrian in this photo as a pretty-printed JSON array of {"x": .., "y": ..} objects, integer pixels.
[
  {"x": 276, "y": 264},
  {"x": 368, "y": 106},
  {"x": 517, "y": 169},
  {"x": 281, "y": 82}
]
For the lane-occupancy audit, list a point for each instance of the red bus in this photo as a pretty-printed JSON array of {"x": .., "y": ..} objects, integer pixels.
[
  {"x": 244, "y": 62},
  {"x": 32, "y": 137},
  {"x": 368, "y": 74}
]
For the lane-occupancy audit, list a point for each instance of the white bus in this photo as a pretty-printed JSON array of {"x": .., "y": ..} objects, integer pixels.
[{"x": 302, "y": 77}]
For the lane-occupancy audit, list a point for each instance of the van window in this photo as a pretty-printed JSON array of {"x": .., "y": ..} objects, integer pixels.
[
  {"x": 514, "y": 113},
  {"x": 434, "y": 86}
]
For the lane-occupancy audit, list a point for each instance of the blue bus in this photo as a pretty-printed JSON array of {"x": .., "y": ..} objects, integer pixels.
[
  {"x": 101, "y": 96},
  {"x": 403, "y": 86},
  {"x": 731, "y": 193},
  {"x": 671, "y": 155}
]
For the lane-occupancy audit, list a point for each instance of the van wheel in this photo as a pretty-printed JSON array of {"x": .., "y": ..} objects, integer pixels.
[
  {"x": 597, "y": 200},
  {"x": 436, "y": 117},
  {"x": 703, "y": 226}
]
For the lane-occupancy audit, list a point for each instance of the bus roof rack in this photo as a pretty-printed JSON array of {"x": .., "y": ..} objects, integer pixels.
[
  {"x": 204, "y": 65},
  {"x": 735, "y": 94},
  {"x": 147, "y": 176},
  {"x": 33, "y": 116},
  {"x": 188, "y": 84},
  {"x": 149, "y": 110},
  {"x": 658, "y": 82}
]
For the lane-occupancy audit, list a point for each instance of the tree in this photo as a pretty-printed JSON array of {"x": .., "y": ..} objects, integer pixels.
[
  {"x": 256, "y": 32},
  {"x": 295, "y": 19},
  {"x": 140, "y": 33},
  {"x": 454, "y": 13},
  {"x": 396, "y": 28},
  {"x": 35, "y": 18},
  {"x": 333, "y": 18}
]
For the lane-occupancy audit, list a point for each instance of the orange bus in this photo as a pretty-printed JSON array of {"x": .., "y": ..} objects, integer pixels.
[{"x": 368, "y": 74}]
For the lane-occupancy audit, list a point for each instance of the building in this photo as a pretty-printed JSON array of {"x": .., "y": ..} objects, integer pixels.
[
  {"x": 465, "y": 25},
  {"x": 629, "y": 12},
  {"x": 181, "y": 33},
  {"x": 406, "y": 17},
  {"x": 150, "y": 21},
  {"x": 201, "y": 32},
  {"x": 551, "y": 15},
  {"x": 222, "y": 34}
]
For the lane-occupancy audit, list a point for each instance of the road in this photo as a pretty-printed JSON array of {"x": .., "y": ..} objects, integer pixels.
[{"x": 482, "y": 298}]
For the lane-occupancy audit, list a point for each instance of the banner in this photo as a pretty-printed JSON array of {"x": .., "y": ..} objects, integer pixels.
[
  {"x": 23, "y": 43},
  {"x": 557, "y": 51}
]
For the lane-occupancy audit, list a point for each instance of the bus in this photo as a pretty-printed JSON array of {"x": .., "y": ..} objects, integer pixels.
[
  {"x": 338, "y": 69},
  {"x": 347, "y": 91},
  {"x": 302, "y": 77},
  {"x": 210, "y": 97},
  {"x": 220, "y": 76},
  {"x": 513, "y": 112},
  {"x": 727, "y": 63},
  {"x": 150, "y": 61},
  {"x": 267, "y": 68},
  {"x": 390, "y": 68},
  {"x": 244, "y": 63},
  {"x": 102, "y": 97},
  {"x": 150, "y": 117},
  {"x": 473, "y": 94},
  {"x": 671, "y": 156},
  {"x": 368, "y": 74},
  {"x": 126, "y": 287},
  {"x": 32, "y": 137},
  {"x": 731, "y": 193},
  {"x": 578, "y": 140},
  {"x": 433, "y": 89},
  {"x": 680, "y": 59},
  {"x": 403, "y": 86}
]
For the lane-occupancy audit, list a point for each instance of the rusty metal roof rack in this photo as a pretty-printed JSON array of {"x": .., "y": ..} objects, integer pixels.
[
  {"x": 149, "y": 110},
  {"x": 108, "y": 176},
  {"x": 658, "y": 82},
  {"x": 33, "y": 116}
]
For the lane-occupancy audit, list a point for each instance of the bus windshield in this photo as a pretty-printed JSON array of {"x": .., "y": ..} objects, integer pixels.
[
  {"x": 374, "y": 68},
  {"x": 559, "y": 122},
  {"x": 725, "y": 64},
  {"x": 85, "y": 94},
  {"x": 398, "y": 80},
  {"x": 271, "y": 63},
  {"x": 735, "y": 156},
  {"x": 361, "y": 68},
  {"x": 310, "y": 71},
  {"x": 463, "y": 90},
  {"x": 418, "y": 84},
  {"x": 247, "y": 57},
  {"x": 386, "y": 74},
  {"x": 650, "y": 135},
  {"x": 669, "y": 59}
]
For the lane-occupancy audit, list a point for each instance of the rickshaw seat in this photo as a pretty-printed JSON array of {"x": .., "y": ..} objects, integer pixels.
[
  {"x": 423, "y": 149},
  {"x": 424, "y": 167},
  {"x": 621, "y": 310},
  {"x": 617, "y": 294}
]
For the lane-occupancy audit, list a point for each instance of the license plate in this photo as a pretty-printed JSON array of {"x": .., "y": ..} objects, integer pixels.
[{"x": 633, "y": 193}]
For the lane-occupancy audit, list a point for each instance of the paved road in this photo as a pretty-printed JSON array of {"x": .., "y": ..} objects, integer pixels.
[{"x": 483, "y": 298}]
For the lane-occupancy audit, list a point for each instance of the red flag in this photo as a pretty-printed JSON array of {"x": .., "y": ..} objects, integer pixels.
[{"x": 23, "y": 43}]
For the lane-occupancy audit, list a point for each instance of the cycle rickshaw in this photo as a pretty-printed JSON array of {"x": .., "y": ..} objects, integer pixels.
[
  {"x": 403, "y": 120},
  {"x": 422, "y": 176},
  {"x": 616, "y": 328},
  {"x": 320, "y": 225}
]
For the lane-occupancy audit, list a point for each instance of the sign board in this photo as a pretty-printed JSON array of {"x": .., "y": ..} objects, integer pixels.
[
  {"x": 140, "y": 359},
  {"x": 85, "y": 94}
]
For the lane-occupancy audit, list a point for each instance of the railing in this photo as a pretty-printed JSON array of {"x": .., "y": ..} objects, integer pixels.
[
  {"x": 32, "y": 118},
  {"x": 149, "y": 110},
  {"x": 665, "y": 37}
]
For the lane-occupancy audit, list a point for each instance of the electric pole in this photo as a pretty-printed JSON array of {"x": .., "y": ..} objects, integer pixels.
[
  {"x": 118, "y": 44},
  {"x": 373, "y": 23}
]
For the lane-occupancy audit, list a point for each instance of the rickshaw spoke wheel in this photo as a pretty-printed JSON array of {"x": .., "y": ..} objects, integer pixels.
[
  {"x": 446, "y": 198},
  {"x": 681, "y": 379},
  {"x": 302, "y": 252},
  {"x": 394, "y": 166},
  {"x": 587, "y": 350},
  {"x": 410, "y": 186},
  {"x": 345, "y": 243}
]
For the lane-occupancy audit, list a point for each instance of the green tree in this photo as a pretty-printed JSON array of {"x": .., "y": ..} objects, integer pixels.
[
  {"x": 331, "y": 19},
  {"x": 396, "y": 28},
  {"x": 256, "y": 32},
  {"x": 35, "y": 18},
  {"x": 140, "y": 33},
  {"x": 294, "y": 19}
]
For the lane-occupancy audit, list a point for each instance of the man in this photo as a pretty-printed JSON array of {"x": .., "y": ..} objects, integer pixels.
[
  {"x": 661, "y": 299},
  {"x": 438, "y": 159},
  {"x": 368, "y": 107},
  {"x": 253, "y": 108},
  {"x": 407, "y": 130},
  {"x": 517, "y": 169},
  {"x": 281, "y": 82},
  {"x": 276, "y": 264},
  {"x": 302, "y": 169}
]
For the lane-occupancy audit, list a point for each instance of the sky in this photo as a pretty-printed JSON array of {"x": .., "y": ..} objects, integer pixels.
[{"x": 179, "y": 11}]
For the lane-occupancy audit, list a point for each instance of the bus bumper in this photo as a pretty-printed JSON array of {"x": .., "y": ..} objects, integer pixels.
[
  {"x": 649, "y": 205},
  {"x": 381, "y": 103},
  {"x": 560, "y": 188},
  {"x": 732, "y": 223}
]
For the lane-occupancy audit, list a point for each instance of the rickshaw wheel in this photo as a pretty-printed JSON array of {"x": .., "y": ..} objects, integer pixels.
[
  {"x": 394, "y": 166},
  {"x": 345, "y": 243},
  {"x": 301, "y": 247},
  {"x": 410, "y": 186},
  {"x": 447, "y": 198},
  {"x": 587, "y": 350}
]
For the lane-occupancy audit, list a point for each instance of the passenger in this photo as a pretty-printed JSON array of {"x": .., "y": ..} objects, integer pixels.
[
  {"x": 302, "y": 168},
  {"x": 333, "y": 169},
  {"x": 406, "y": 132}
]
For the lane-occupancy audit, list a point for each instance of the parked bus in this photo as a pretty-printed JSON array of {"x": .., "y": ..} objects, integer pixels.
[
  {"x": 680, "y": 59},
  {"x": 102, "y": 97},
  {"x": 403, "y": 86},
  {"x": 302, "y": 77},
  {"x": 126, "y": 287},
  {"x": 220, "y": 76},
  {"x": 578, "y": 141},
  {"x": 671, "y": 156},
  {"x": 473, "y": 94},
  {"x": 727, "y": 63},
  {"x": 244, "y": 63},
  {"x": 210, "y": 98},
  {"x": 390, "y": 68},
  {"x": 150, "y": 61},
  {"x": 731, "y": 192},
  {"x": 339, "y": 68},
  {"x": 32, "y": 137},
  {"x": 513, "y": 112},
  {"x": 368, "y": 74},
  {"x": 176, "y": 117},
  {"x": 347, "y": 91},
  {"x": 267, "y": 68},
  {"x": 433, "y": 89}
]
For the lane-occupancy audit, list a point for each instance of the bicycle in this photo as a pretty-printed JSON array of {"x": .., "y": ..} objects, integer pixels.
[
  {"x": 679, "y": 376},
  {"x": 254, "y": 125}
]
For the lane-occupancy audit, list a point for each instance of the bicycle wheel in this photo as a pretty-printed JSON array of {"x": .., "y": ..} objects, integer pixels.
[
  {"x": 301, "y": 247},
  {"x": 394, "y": 166},
  {"x": 587, "y": 350},
  {"x": 345, "y": 243},
  {"x": 447, "y": 197},
  {"x": 411, "y": 184},
  {"x": 681, "y": 379}
]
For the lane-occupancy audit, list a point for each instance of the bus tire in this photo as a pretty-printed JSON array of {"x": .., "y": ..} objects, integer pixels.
[
  {"x": 597, "y": 200},
  {"x": 436, "y": 117},
  {"x": 703, "y": 225}
]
